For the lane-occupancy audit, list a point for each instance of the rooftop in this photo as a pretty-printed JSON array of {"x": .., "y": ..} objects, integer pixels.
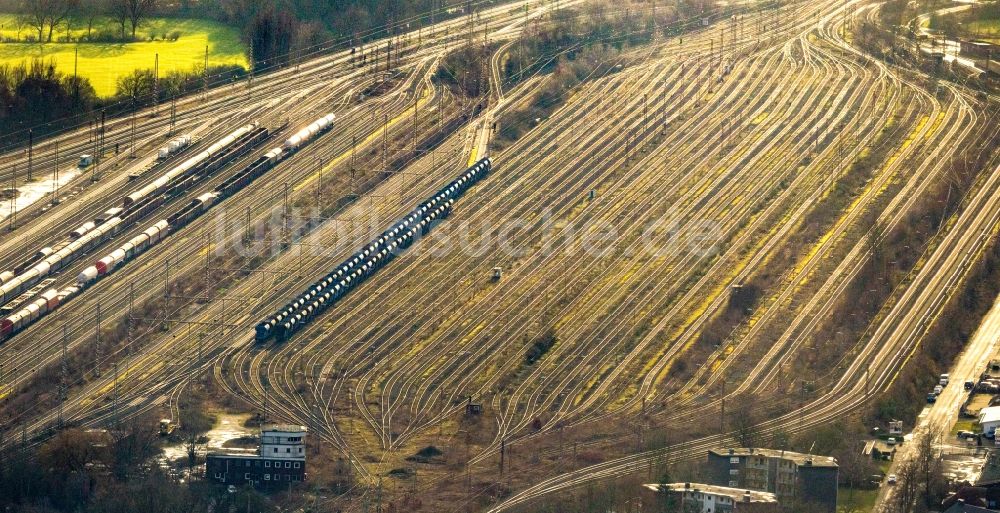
[
  {"x": 736, "y": 494},
  {"x": 284, "y": 428},
  {"x": 235, "y": 453},
  {"x": 795, "y": 457},
  {"x": 881, "y": 445},
  {"x": 989, "y": 414}
]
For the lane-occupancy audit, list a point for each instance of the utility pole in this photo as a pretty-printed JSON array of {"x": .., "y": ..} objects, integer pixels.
[
  {"x": 867, "y": 370},
  {"x": 248, "y": 234},
  {"x": 131, "y": 143},
  {"x": 55, "y": 176},
  {"x": 319, "y": 186},
  {"x": 722, "y": 414},
  {"x": 76, "y": 81},
  {"x": 204, "y": 75},
  {"x": 503, "y": 450},
  {"x": 63, "y": 375},
  {"x": 129, "y": 324},
  {"x": 97, "y": 342},
  {"x": 31, "y": 142},
  {"x": 114, "y": 398},
  {"x": 285, "y": 228},
  {"x": 645, "y": 111},
  {"x": 99, "y": 154},
  {"x": 12, "y": 219},
  {"x": 156, "y": 83}
]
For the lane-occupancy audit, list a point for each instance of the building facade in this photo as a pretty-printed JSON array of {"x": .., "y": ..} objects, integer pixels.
[
  {"x": 280, "y": 460},
  {"x": 794, "y": 478},
  {"x": 705, "y": 498}
]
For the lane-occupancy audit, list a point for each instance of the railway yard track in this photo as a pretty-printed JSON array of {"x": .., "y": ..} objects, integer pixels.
[{"x": 686, "y": 168}]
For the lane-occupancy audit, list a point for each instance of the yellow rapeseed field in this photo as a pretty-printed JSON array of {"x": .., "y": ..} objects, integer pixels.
[{"x": 103, "y": 63}]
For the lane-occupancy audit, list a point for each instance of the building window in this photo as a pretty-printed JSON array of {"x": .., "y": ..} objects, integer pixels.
[
  {"x": 734, "y": 472},
  {"x": 275, "y": 449},
  {"x": 218, "y": 475},
  {"x": 288, "y": 464},
  {"x": 300, "y": 450},
  {"x": 734, "y": 460},
  {"x": 246, "y": 476},
  {"x": 248, "y": 463},
  {"x": 733, "y": 483},
  {"x": 267, "y": 464},
  {"x": 256, "y": 463},
  {"x": 288, "y": 449},
  {"x": 296, "y": 464},
  {"x": 267, "y": 477}
]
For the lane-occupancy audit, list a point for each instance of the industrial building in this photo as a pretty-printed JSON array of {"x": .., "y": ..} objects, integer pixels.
[
  {"x": 280, "y": 460},
  {"x": 795, "y": 478}
]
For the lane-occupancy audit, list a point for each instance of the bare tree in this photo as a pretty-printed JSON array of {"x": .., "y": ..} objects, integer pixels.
[
  {"x": 744, "y": 419},
  {"x": 905, "y": 492},
  {"x": 929, "y": 468},
  {"x": 118, "y": 11},
  {"x": 138, "y": 10},
  {"x": 47, "y": 14},
  {"x": 89, "y": 10},
  {"x": 36, "y": 14}
]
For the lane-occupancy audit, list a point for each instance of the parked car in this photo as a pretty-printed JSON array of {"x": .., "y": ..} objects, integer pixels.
[
  {"x": 891, "y": 479},
  {"x": 938, "y": 389},
  {"x": 891, "y": 440},
  {"x": 932, "y": 397},
  {"x": 969, "y": 385},
  {"x": 944, "y": 380}
]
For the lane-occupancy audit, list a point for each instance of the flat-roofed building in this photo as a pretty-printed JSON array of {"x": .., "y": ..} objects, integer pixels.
[
  {"x": 795, "y": 478},
  {"x": 706, "y": 498},
  {"x": 280, "y": 460}
]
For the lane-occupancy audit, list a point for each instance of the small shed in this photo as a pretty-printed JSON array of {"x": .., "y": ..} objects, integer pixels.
[
  {"x": 879, "y": 450},
  {"x": 989, "y": 420},
  {"x": 472, "y": 408}
]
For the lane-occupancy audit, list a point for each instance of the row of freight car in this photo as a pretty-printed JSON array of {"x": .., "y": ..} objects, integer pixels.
[
  {"x": 367, "y": 260},
  {"x": 51, "y": 299},
  {"x": 92, "y": 234}
]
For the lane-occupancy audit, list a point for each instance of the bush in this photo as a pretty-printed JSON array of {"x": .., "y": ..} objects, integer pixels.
[
  {"x": 174, "y": 35},
  {"x": 541, "y": 346}
]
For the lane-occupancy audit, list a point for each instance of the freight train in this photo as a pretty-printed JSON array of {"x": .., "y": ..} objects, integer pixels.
[
  {"x": 51, "y": 299},
  {"x": 370, "y": 258},
  {"x": 92, "y": 234}
]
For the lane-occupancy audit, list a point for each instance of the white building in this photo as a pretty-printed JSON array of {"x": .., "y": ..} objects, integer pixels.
[
  {"x": 283, "y": 441},
  {"x": 989, "y": 419},
  {"x": 281, "y": 460},
  {"x": 706, "y": 498}
]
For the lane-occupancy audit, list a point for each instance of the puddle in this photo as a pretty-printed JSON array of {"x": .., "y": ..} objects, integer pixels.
[
  {"x": 963, "y": 463},
  {"x": 227, "y": 428}
]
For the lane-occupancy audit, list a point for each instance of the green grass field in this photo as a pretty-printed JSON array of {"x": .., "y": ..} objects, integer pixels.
[
  {"x": 103, "y": 63},
  {"x": 985, "y": 28},
  {"x": 856, "y": 501}
]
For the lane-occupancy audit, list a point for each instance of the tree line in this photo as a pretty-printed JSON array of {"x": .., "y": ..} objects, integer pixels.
[
  {"x": 46, "y": 19},
  {"x": 111, "y": 470}
]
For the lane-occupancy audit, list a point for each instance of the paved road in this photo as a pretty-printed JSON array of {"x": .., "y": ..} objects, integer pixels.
[{"x": 941, "y": 415}]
